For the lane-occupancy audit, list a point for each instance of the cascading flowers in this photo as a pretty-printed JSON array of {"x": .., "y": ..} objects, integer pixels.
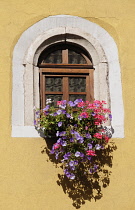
[{"x": 77, "y": 125}]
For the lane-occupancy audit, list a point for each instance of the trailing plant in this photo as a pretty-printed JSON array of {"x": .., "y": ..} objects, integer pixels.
[{"x": 78, "y": 129}]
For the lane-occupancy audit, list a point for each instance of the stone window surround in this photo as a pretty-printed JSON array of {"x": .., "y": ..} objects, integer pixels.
[{"x": 57, "y": 29}]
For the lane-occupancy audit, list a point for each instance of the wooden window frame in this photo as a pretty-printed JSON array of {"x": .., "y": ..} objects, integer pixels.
[{"x": 65, "y": 71}]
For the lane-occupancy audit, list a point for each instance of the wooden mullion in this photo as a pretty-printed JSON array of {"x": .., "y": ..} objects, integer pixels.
[
  {"x": 43, "y": 91},
  {"x": 72, "y": 66},
  {"x": 77, "y": 93},
  {"x": 65, "y": 88},
  {"x": 63, "y": 70},
  {"x": 65, "y": 75},
  {"x": 91, "y": 85},
  {"x": 53, "y": 93},
  {"x": 88, "y": 96},
  {"x": 65, "y": 56}
]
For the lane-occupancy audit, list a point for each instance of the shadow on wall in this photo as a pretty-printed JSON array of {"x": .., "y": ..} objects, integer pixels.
[{"x": 86, "y": 187}]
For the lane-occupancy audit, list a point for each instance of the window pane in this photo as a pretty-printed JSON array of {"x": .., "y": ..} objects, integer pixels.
[
  {"x": 54, "y": 98},
  {"x": 54, "y": 57},
  {"x": 75, "y": 96},
  {"x": 75, "y": 58},
  {"x": 77, "y": 84},
  {"x": 53, "y": 84}
]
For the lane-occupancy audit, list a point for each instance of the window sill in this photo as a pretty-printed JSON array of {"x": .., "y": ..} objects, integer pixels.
[{"x": 30, "y": 131}]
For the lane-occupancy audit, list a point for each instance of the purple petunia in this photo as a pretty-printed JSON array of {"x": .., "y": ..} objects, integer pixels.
[
  {"x": 97, "y": 147},
  {"x": 46, "y": 108},
  {"x": 56, "y": 155},
  {"x": 68, "y": 174},
  {"x": 93, "y": 114},
  {"x": 71, "y": 139},
  {"x": 55, "y": 114},
  {"x": 62, "y": 133},
  {"x": 71, "y": 163},
  {"x": 89, "y": 146},
  {"x": 63, "y": 111},
  {"x": 75, "y": 162},
  {"x": 68, "y": 115},
  {"x": 59, "y": 112},
  {"x": 110, "y": 116},
  {"x": 72, "y": 168},
  {"x": 58, "y": 133},
  {"x": 71, "y": 103},
  {"x": 79, "y": 118},
  {"x": 94, "y": 169},
  {"x": 89, "y": 158},
  {"x": 63, "y": 143},
  {"x": 59, "y": 140},
  {"x": 77, "y": 154},
  {"x": 59, "y": 124},
  {"x": 72, "y": 176},
  {"x": 63, "y": 104},
  {"x": 66, "y": 156},
  {"x": 88, "y": 136},
  {"x": 81, "y": 155},
  {"x": 52, "y": 151},
  {"x": 72, "y": 131},
  {"x": 79, "y": 137},
  {"x": 77, "y": 101},
  {"x": 37, "y": 113}
]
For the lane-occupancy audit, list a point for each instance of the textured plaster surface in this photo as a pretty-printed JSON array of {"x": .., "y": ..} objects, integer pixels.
[{"x": 27, "y": 181}]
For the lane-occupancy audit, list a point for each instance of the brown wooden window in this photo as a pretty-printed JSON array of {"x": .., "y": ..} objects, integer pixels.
[{"x": 66, "y": 73}]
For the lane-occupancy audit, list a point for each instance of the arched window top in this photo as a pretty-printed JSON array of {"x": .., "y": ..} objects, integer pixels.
[{"x": 64, "y": 54}]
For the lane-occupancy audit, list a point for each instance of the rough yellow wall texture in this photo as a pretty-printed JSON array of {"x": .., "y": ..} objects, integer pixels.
[{"x": 27, "y": 180}]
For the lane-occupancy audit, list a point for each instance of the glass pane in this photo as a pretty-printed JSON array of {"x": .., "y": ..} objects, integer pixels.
[
  {"x": 53, "y": 84},
  {"x": 75, "y": 58},
  {"x": 54, "y": 57},
  {"x": 54, "y": 98},
  {"x": 75, "y": 96},
  {"x": 77, "y": 84}
]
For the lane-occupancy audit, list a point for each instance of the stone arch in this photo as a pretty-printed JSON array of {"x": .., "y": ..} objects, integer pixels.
[{"x": 56, "y": 29}]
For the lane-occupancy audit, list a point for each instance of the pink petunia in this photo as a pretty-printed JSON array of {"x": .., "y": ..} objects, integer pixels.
[
  {"x": 84, "y": 115},
  {"x": 98, "y": 135},
  {"x": 56, "y": 146},
  {"x": 81, "y": 104},
  {"x": 106, "y": 139},
  {"x": 90, "y": 152},
  {"x": 59, "y": 102}
]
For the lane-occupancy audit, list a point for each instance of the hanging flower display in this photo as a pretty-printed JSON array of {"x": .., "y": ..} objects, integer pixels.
[{"x": 77, "y": 126}]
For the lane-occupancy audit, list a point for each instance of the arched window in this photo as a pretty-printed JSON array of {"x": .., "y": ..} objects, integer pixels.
[
  {"x": 64, "y": 70},
  {"x": 66, "y": 73}
]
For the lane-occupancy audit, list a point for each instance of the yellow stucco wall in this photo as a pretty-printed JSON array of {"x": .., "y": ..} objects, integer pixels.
[{"x": 27, "y": 180}]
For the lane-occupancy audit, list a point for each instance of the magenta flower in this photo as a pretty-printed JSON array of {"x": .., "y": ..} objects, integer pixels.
[
  {"x": 84, "y": 115},
  {"x": 56, "y": 146},
  {"x": 90, "y": 152}
]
